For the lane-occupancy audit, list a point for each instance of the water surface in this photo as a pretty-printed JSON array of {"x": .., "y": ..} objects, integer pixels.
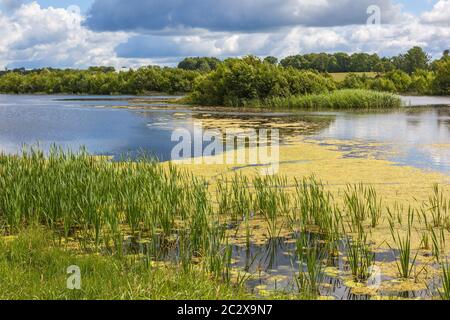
[{"x": 418, "y": 136}]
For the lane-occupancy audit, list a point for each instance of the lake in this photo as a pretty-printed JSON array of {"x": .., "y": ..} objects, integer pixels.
[{"x": 115, "y": 126}]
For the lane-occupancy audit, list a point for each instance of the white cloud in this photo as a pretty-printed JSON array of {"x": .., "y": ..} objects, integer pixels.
[
  {"x": 439, "y": 15},
  {"x": 386, "y": 40},
  {"x": 33, "y": 36}
]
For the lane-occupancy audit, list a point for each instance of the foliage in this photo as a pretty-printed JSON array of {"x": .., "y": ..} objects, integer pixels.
[
  {"x": 240, "y": 81},
  {"x": 99, "y": 81},
  {"x": 397, "y": 81},
  {"x": 415, "y": 59},
  {"x": 441, "y": 83},
  {"x": 339, "y": 62},
  {"x": 237, "y": 82},
  {"x": 271, "y": 60},
  {"x": 203, "y": 64}
]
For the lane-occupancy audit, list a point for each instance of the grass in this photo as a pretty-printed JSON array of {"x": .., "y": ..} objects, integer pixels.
[
  {"x": 347, "y": 99},
  {"x": 143, "y": 230},
  {"x": 406, "y": 261},
  {"x": 33, "y": 266},
  {"x": 439, "y": 206},
  {"x": 362, "y": 203},
  {"x": 360, "y": 258},
  {"x": 444, "y": 292},
  {"x": 310, "y": 275}
]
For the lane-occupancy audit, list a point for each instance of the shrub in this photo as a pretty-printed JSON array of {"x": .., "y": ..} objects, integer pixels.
[
  {"x": 238, "y": 81},
  {"x": 441, "y": 83}
]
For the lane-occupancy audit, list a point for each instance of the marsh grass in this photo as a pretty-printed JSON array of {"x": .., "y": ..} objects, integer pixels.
[
  {"x": 311, "y": 272},
  {"x": 406, "y": 261},
  {"x": 444, "y": 292},
  {"x": 360, "y": 258},
  {"x": 165, "y": 214},
  {"x": 439, "y": 206},
  {"x": 315, "y": 205},
  {"x": 438, "y": 243},
  {"x": 271, "y": 202},
  {"x": 362, "y": 203},
  {"x": 350, "y": 99}
]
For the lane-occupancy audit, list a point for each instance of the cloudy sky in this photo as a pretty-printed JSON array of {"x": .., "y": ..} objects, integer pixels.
[{"x": 130, "y": 33}]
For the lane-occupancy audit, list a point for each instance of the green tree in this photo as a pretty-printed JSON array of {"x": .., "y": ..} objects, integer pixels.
[
  {"x": 271, "y": 60},
  {"x": 416, "y": 59},
  {"x": 203, "y": 64},
  {"x": 442, "y": 80}
]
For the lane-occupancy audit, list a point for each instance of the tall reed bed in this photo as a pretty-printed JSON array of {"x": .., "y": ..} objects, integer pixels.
[
  {"x": 97, "y": 202},
  {"x": 348, "y": 99}
]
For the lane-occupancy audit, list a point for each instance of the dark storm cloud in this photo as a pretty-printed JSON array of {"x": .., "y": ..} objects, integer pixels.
[{"x": 231, "y": 15}]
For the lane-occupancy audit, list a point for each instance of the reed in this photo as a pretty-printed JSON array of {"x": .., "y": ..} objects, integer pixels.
[
  {"x": 271, "y": 202},
  {"x": 406, "y": 261},
  {"x": 315, "y": 204},
  {"x": 348, "y": 99},
  {"x": 439, "y": 207},
  {"x": 444, "y": 292},
  {"x": 171, "y": 215},
  {"x": 310, "y": 258},
  {"x": 361, "y": 203},
  {"x": 360, "y": 258},
  {"x": 438, "y": 243}
]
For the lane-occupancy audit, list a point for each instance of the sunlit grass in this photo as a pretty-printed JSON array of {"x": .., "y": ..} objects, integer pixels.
[
  {"x": 348, "y": 99},
  {"x": 131, "y": 215}
]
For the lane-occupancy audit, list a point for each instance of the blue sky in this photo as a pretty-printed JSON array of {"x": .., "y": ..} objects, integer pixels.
[
  {"x": 132, "y": 33},
  {"x": 83, "y": 4},
  {"x": 417, "y": 6}
]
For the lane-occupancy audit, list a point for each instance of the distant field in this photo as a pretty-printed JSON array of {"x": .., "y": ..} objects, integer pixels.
[{"x": 342, "y": 75}]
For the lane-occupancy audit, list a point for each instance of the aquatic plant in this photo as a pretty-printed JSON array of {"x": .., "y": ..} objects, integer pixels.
[
  {"x": 360, "y": 257},
  {"x": 234, "y": 197},
  {"x": 438, "y": 243},
  {"x": 439, "y": 206},
  {"x": 346, "y": 99},
  {"x": 314, "y": 204},
  {"x": 444, "y": 292},
  {"x": 271, "y": 201},
  {"x": 362, "y": 202},
  {"x": 143, "y": 211},
  {"x": 406, "y": 260},
  {"x": 310, "y": 258}
]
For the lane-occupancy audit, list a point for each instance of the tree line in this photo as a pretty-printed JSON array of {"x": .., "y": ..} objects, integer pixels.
[
  {"x": 250, "y": 77},
  {"x": 416, "y": 58},
  {"x": 99, "y": 80}
]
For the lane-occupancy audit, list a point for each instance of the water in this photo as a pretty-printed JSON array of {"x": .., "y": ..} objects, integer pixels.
[
  {"x": 418, "y": 137},
  {"x": 275, "y": 265}
]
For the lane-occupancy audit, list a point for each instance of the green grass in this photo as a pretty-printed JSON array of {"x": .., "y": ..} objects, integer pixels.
[
  {"x": 444, "y": 292},
  {"x": 33, "y": 266},
  {"x": 362, "y": 203},
  {"x": 360, "y": 258},
  {"x": 97, "y": 206},
  {"x": 406, "y": 261},
  {"x": 346, "y": 99}
]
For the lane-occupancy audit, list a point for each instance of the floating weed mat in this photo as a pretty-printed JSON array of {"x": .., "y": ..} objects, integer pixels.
[{"x": 296, "y": 241}]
